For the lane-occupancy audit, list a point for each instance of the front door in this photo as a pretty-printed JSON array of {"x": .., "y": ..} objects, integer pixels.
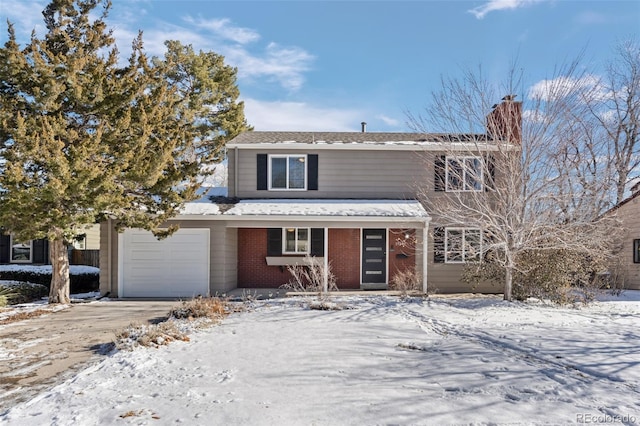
[{"x": 374, "y": 258}]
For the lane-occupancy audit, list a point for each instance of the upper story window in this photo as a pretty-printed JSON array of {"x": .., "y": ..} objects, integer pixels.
[
  {"x": 288, "y": 172},
  {"x": 462, "y": 245},
  {"x": 295, "y": 240},
  {"x": 21, "y": 252},
  {"x": 463, "y": 173}
]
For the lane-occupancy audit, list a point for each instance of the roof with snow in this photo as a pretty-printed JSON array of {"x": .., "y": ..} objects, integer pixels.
[
  {"x": 317, "y": 208},
  {"x": 376, "y": 208},
  {"x": 253, "y": 137}
]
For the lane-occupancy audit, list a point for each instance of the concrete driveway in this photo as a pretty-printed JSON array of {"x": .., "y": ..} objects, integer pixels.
[{"x": 40, "y": 352}]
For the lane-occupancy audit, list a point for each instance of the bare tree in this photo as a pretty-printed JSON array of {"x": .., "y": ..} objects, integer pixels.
[
  {"x": 613, "y": 102},
  {"x": 509, "y": 186}
]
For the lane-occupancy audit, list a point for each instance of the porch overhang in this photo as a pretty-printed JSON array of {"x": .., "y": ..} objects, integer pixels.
[{"x": 334, "y": 213}]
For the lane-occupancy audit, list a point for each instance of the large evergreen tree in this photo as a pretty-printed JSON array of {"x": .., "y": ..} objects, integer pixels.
[{"x": 83, "y": 136}]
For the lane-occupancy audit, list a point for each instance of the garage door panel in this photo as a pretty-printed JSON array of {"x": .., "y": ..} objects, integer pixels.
[{"x": 177, "y": 266}]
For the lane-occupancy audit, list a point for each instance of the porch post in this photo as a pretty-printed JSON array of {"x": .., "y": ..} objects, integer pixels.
[
  {"x": 325, "y": 278},
  {"x": 425, "y": 233}
]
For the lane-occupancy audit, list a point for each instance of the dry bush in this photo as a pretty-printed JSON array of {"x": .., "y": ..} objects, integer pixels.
[
  {"x": 154, "y": 335},
  {"x": 406, "y": 281},
  {"x": 191, "y": 314},
  {"x": 24, "y": 315},
  {"x": 309, "y": 278},
  {"x": 201, "y": 307}
]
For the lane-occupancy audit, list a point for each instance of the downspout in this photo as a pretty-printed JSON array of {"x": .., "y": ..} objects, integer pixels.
[
  {"x": 425, "y": 233},
  {"x": 235, "y": 172},
  {"x": 325, "y": 278}
]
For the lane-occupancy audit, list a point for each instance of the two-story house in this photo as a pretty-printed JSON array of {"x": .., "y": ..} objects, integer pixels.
[{"x": 353, "y": 199}]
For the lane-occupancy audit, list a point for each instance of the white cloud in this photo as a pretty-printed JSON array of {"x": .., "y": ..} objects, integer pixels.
[
  {"x": 494, "y": 5},
  {"x": 534, "y": 116},
  {"x": 562, "y": 87},
  {"x": 284, "y": 65},
  {"x": 300, "y": 116},
  {"x": 274, "y": 63},
  {"x": 224, "y": 28},
  {"x": 258, "y": 63},
  {"x": 25, "y": 15},
  {"x": 388, "y": 120}
]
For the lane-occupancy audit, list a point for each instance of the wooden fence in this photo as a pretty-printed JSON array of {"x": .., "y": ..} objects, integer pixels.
[{"x": 85, "y": 257}]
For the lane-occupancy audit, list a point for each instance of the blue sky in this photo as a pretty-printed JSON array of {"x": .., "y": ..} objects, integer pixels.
[{"x": 328, "y": 65}]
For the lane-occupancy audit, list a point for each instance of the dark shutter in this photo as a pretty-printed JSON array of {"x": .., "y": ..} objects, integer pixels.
[
  {"x": 489, "y": 180},
  {"x": 312, "y": 172},
  {"x": 274, "y": 241},
  {"x": 438, "y": 244},
  {"x": 317, "y": 241},
  {"x": 440, "y": 174},
  {"x": 39, "y": 255},
  {"x": 4, "y": 248},
  {"x": 261, "y": 168}
]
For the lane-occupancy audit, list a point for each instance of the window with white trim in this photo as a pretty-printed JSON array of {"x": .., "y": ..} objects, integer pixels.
[
  {"x": 21, "y": 252},
  {"x": 296, "y": 240},
  {"x": 462, "y": 245},
  {"x": 288, "y": 172},
  {"x": 464, "y": 174}
]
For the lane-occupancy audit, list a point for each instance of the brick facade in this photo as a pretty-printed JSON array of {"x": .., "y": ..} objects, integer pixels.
[
  {"x": 402, "y": 251},
  {"x": 252, "y": 265},
  {"x": 344, "y": 255}
]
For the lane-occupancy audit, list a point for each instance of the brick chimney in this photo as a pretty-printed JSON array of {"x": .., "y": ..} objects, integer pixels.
[{"x": 505, "y": 121}]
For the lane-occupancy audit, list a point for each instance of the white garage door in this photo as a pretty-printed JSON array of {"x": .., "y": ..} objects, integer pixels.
[{"x": 177, "y": 266}]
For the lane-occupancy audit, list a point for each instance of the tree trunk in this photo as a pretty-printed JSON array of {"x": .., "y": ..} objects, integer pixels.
[
  {"x": 508, "y": 283},
  {"x": 60, "y": 283}
]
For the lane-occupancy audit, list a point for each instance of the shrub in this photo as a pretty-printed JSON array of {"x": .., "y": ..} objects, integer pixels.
[
  {"x": 13, "y": 292},
  {"x": 192, "y": 314},
  {"x": 200, "y": 307},
  {"x": 561, "y": 276},
  {"x": 83, "y": 278},
  {"x": 309, "y": 278},
  {"x": 406, "y": 281},
  {"x": 6, "y": 295},
  {"x": 154, "y": 335}
]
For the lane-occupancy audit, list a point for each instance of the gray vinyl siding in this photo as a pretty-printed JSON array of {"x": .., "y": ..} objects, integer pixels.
[
  {"x": 344, "y": 174},
  {"x": 92, "y": 238},
  {"x": 443, "y": 278},
  {"x": 628, "y": 214},
  {"x": 222, "y": 264},
  {"x": 223, "y": 261}
]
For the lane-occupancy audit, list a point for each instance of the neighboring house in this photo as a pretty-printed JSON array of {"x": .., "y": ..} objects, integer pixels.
[
  {"x": 349, "y": 198},
  {"x": 13, "y": 251},
  {"x": 89, "y": 239},
  {"x": 37, "y": 251},
  {"x": 628, "y": 212}
]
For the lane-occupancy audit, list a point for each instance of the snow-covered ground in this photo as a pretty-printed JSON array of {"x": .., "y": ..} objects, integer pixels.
[{"x": 446, "y": 360}]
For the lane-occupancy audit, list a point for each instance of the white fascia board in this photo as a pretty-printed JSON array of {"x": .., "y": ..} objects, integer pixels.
[{"x": 395, "y": 146}]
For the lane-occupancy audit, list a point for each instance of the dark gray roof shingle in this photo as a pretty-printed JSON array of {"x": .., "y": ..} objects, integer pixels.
[{"x": 350, "y": 137}]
